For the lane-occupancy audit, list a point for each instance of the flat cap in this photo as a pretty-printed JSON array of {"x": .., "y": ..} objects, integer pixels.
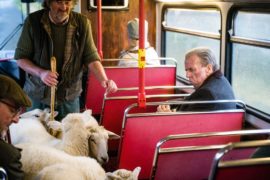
[
  {"x": 133, "y": 28},
  {"x": 11, "y": 90}
]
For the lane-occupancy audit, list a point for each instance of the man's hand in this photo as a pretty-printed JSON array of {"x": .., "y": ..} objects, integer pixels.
[
  {"x": 109, "y": 85},
  {"x": 49, "y": 78},
  {"x": 165, "y": 108}
]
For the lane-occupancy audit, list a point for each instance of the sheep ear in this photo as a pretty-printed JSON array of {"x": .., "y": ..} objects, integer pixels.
[
  {"x": 55, "y": 113},
  {"x": 112, "y": 135},
  {"x": 136, "y": 172},
  {"x": 88, "y": 111},
  {"x": 48, "y": 111}
]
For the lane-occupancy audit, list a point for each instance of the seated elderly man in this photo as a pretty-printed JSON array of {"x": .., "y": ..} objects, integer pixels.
[
  {"x": 12, "y": 101},
  {"x": 203, "y": 72}
]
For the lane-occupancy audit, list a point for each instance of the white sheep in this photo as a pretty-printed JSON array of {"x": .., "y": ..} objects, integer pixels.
[
  {"x": 31, "y": 129},
  {"x": 82, "y": 136},
  {"x": 47, "y": 163},
  {"x": 59, "y": 172},
  {"x": 123, "y": 174},
  {"x": 35, "y": 157}
]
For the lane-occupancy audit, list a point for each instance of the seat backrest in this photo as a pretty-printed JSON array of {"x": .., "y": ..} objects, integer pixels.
[
  {"x": 141, "y": 133},
  {"x": 180, "y": 162},
  {"x": 163, "y": 75},
  {"x": 250, "y": 172},
  {"x": 247, "y": 168},
  {"x": 113, "y": 112},
  {"x": 189, "y": 164}
]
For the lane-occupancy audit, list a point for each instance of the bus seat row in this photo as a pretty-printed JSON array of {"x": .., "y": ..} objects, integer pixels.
[
  {"x": 196, "y": 161},
  {"x": 142, "y": 128},
  {"x": 240, "y": 168},
  {"x": 114, "y": 107},
  {"x": 141, "y": 131},
  {"x": 125, "y": 77}
]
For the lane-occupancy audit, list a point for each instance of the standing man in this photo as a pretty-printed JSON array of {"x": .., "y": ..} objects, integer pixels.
[
  {"x": 203, "y": 72},
  {"x": 12, "y": 101},
  {"x": 58, "y": 31}
]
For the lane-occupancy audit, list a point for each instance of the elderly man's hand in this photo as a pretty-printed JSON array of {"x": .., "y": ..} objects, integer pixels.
[{"x": 164, "y": 108}]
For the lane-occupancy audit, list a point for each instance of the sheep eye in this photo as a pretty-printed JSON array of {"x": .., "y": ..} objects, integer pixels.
[
  {"x": 93, "y": 141},
  {"x": 36, "y": 115}
]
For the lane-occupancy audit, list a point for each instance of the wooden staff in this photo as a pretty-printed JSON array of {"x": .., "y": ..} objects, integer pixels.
[{"x": 53, "y": 69}]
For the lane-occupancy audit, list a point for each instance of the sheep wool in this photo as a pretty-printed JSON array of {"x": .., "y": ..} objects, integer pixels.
[
  {"x": 41, "y": 162},
  {"x": 81, "y": 134}
]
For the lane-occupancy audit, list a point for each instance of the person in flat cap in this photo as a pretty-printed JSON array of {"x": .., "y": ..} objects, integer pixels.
[
  {"x": 12, "y": 101},
  {"x": 132, "y": 51}
]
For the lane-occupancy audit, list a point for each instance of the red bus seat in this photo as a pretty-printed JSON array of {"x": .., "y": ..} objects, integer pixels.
[
  {"x": 141, "y": 132},
  {"x": 248, "y": 168},
  {"x": 114, "y": 107},
  {"x": 192, "y": 159},
  {"x": 124, "y": 77}
]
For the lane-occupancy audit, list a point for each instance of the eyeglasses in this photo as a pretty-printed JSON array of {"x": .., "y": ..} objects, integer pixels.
[
  {"x": 62, "y": 2},
  {"x": 14, "y": 110}
]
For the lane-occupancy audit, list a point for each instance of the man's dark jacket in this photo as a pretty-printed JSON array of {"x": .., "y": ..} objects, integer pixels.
[
  {"x": 215, "y": 87},
  {"x": 10, "y": 160}
]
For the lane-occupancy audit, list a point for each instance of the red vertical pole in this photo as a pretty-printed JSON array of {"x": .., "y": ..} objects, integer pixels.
[
  {"x": 141, "y": 53},
  {"x": 99, "y": 30}
]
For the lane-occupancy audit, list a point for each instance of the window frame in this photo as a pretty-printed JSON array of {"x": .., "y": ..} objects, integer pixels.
[
  {"x": 182, "y": 5},
  {"x": 227, "y": 9},
  {"x": 259, "y": 7}
]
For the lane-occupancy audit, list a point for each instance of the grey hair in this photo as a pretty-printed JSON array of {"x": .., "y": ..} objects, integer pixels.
[
  {"x": 206, "y": 56},
  {"x": 46, "y": 3}
]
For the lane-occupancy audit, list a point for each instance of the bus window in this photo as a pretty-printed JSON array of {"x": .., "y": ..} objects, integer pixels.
[
  {"x": 250, "y": 63},
  {"x": 189, "y": 28},
  {"x": 12, "y": 14},
  {"x": 252, "y": 25}
]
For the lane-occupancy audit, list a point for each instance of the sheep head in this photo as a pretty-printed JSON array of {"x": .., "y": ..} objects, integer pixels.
[
  {"x": 98, "y": 138},
  {"x": 94, "y": 137},
  {"x": 123, "y": 174},
  {"x": 35, "y": 113},
  {"x": 98, "y": 143},
  {"x": 42, "y": 115}
]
